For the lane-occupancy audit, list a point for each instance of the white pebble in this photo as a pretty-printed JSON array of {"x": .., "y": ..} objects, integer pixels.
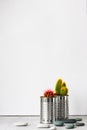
[
  {"x": 53, "y": 128},
  {"x": 21, "y": 123},
  {"x": 43, "y": 125}
]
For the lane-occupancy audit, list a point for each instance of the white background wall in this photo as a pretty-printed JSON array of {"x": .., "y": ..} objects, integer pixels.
[{"x": 40, "y": 41}]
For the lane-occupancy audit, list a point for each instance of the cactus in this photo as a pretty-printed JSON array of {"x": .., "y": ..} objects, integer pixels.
[
  {"x": 48, "y": 93},
  {"x": 61, "y": 88},
  {"x": 63, "y": 84},
  {"x": 58, "y": 86},
  {"x": 64, "y": 89}
]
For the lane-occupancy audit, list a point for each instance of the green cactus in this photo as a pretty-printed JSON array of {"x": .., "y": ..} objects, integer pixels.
[
  {"x": 58, "y": 86},
  {"x": 63, "y": 84},
  {"x": 61, "y": 88},
  {"x": 64, "y": 89}
]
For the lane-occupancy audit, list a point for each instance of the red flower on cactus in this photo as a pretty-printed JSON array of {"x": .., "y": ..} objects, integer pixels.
[{"x": 48, "y": 93}]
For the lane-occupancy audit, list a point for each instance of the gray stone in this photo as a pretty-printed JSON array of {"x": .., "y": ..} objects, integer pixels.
[
  {"x": 69, "y": 126},
  {"x": 78, "y": 119},
  {"x": 59, "y": 123},
  {"x": 80, "y": 124},
  {"x": 70, "y": 121}
]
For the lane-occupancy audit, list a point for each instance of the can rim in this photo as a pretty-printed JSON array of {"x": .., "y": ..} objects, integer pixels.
[
  {"x": 45, "y": 97},
  {"x": 54, "y": 96}
]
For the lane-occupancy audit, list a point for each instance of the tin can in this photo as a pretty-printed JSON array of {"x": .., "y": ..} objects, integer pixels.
[
  {"x": 61, "y": 108},
  {"x": 46, "y": 109}
]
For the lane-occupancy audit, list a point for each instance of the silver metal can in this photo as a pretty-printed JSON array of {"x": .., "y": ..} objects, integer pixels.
[
  {"x": 46, "y": 109},
  {"x": 60, "y": 108}
]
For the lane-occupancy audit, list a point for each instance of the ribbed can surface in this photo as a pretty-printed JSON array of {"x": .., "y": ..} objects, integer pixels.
[
  {"x": 46, "y": 109},
  {"x": 61, "y": 109}
]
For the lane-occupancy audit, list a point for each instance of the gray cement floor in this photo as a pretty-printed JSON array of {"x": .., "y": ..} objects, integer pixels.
[{"x": 9, "y": 123}]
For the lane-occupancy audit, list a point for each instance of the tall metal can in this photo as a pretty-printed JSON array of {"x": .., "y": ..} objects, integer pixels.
[
  {"x": 61, "y": 110},
  {"x": 46, "y": 109}
]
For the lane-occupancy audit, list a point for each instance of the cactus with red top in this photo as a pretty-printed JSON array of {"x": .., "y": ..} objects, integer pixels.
[{"x": 49, "y": 93}]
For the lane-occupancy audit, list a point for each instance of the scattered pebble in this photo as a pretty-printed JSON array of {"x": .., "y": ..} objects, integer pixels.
[
  {"x": 21, "y": 123},
  {"x": 43, "y": 125},
  {"x": 70, "y": 121},
  {"x": 59, "y": 123},
  {"x": 80, "y": 124},
  {"x": 78, "y": 119},
  {"x": 53, "y": 128},
  {"x": 69, "y": 126}
]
